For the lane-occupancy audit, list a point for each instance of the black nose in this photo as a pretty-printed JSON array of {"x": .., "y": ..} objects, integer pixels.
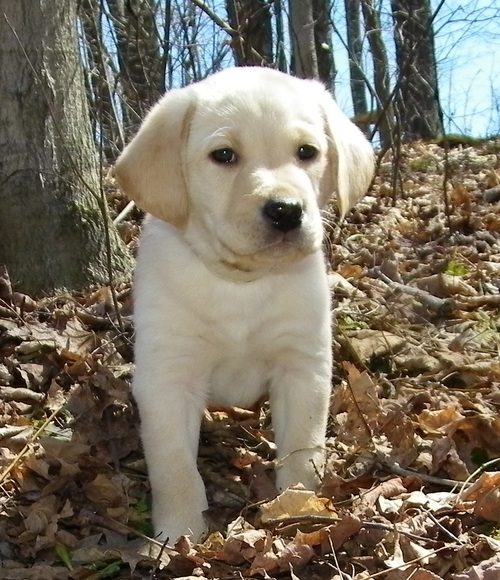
[{"x": 283, "y": 215}]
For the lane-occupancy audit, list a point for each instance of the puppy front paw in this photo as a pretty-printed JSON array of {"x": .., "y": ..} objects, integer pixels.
[
  {"x": 170, "y": 529},
  {"x": 305, "y": 466}
]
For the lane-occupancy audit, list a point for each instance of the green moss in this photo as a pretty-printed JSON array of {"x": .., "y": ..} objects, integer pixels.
[
  {"x": 424, "y": 164},
  {"x": 455, "y": 269}
]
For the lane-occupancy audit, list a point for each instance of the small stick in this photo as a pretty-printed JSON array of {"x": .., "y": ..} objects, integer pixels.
[{"x": 442, "y": 306}]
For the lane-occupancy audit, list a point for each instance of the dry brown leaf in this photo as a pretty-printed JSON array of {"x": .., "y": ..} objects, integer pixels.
[
  {"x": 108, "y": 491},
  {"x": 390, "y": 488},
  {"x": 492, "y": 178},
  {"x": 487, "y": 570},
  {"x": 294, "y": 555},
  {"x": 445, "y": 457},
  {"x": 488, "y": 506},
  {"x": 482, "y": 432},
  {"x": 339, "y": 533},
  {"x": 485, "y": 492},
  {"x": 366, "y": 344},
  {"x": 315, "y": 538},
  {"x": 296, "y": 502},
  {"x": 263, "y": 563},
  {"x": 435, "y": 422},
  {"x": 244, "y": 546}
]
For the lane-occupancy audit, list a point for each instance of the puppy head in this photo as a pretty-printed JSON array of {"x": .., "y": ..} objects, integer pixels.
[{"x": 243, "y": 161}]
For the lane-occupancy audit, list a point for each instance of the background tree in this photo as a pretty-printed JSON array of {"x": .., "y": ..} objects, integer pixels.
[
  {"x": 381, "y": 84},
  {"x": 140, "y": 60},
  {"x": 323, "y": 42},
  {"x": 253, "y": 43},
  {"x": 304, "y": 60},
  {"x": 53, "y": 233},
  {"x": 417, "y": 98},
  {"x": 101, "y": 82},
  {"x": 355, "y": 55}
]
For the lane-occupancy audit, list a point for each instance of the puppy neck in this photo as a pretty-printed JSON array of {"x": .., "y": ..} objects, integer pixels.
[
  {"x": 218, "y": 260},
  {"x": 228, "y": 271}
]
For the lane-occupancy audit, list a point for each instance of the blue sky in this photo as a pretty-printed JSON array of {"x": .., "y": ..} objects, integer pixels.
[{"x": 468, "y": 51}]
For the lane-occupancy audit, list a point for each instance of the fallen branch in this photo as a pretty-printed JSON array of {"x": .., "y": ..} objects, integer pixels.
[
  {"x": 451, "y": 483},
  {"x": 442, "y": 306},
  {"x": 21, "y": 394},
  {"x": 473, "y": 302}
]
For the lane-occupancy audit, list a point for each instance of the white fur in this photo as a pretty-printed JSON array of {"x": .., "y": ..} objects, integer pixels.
[{"x": 229, "y": 308}]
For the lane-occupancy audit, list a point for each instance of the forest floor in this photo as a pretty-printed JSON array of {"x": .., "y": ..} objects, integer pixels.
[{"x": 412, "y": 488}]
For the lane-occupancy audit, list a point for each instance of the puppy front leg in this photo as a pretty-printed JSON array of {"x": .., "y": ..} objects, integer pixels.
[
  {"x": 299, "y": 409},
  {"x": 170, "y": 421}
]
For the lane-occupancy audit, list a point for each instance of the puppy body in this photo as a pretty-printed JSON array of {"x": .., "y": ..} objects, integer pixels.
[
  {"x": 231, "y": 290},
  {"x": 204, "y": 340}
]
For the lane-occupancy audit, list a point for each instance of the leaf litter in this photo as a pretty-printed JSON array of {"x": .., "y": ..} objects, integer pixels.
[{"x": 412, "y": 486}]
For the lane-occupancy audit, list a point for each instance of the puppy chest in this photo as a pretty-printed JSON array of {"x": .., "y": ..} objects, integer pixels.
[{"x": 238, "y": 380}]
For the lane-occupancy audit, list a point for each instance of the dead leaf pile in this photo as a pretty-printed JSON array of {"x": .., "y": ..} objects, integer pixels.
[{"x": 412, "y": 486}]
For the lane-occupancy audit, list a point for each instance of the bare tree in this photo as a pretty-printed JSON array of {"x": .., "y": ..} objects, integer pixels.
[
  {"x": 101, "y": 80},
  {"x": 355, "y": 54},
  {"x": 304, "y": 58},
  {"x": 417, "y": 98},
  {"x": 253, "y": 45},
  {"x": 280, "y": 36},
  {"x": 323, "y": 42},
  {"x": 139, "y": 54},
  {"x": 53, "y": 232},
  {"x": 381, "y": 81}
]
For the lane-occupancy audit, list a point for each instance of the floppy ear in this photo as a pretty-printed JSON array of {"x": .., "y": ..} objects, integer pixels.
[
  {"x": 150, "y": 170},
  {"x": 351, "y": 158}
]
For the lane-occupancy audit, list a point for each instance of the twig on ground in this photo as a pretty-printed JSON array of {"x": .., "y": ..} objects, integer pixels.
[
  {"x": 21, "y": 394},
  {"x": 474, "y": 302},
  {"x": 330, "y": 521},
  {"x": 442, "y": 306},
  {"x": 124, "y": 213},
  {"x": 451, "y": 483}
]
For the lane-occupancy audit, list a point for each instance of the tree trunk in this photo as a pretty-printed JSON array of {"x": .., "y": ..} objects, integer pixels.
[
  {"x": 354, "y": 49},
  {"x": 52, "y": 230},
  {"x": 141, "y": 64},
  {"x": 304, "y": 58},
  {"x": 380, "y": 72},
  {"x": 323, "y": 43},
  {"x": 252, "y": 20},
  {"x": 101, "y": 82},
  {"x": 417, "y": 98},
  {"x": 280, "y": 36}
]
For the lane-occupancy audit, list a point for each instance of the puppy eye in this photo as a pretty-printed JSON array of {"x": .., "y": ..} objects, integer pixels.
[
  {"x": 307, "y": 152},
  {"x": 224, "y": 155}
]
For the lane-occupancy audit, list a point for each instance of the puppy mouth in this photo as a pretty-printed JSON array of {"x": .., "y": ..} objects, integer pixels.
[
  {"x": 243, "y": 253},
  {"x": 282, "y": 247}
]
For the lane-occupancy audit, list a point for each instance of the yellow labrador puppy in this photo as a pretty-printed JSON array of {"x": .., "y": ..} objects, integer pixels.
[{"x": 231, "y": 293}]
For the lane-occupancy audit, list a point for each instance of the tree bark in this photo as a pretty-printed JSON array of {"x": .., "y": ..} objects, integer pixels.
[
  {"x": 52, "y": 231},
  {"x": 252, "y": 20},
  {"x": 304, "y": 58},
  {"x": 141, "y": 64},
  {"x": 417, "y": 98},
  {"x": 101, "y": 81},
  {"x": 280, "y": 36},
  {"x": 323, "y": 43},
  {"x": 354, "y": 49},
  {"x": 380, "y": 72}
]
